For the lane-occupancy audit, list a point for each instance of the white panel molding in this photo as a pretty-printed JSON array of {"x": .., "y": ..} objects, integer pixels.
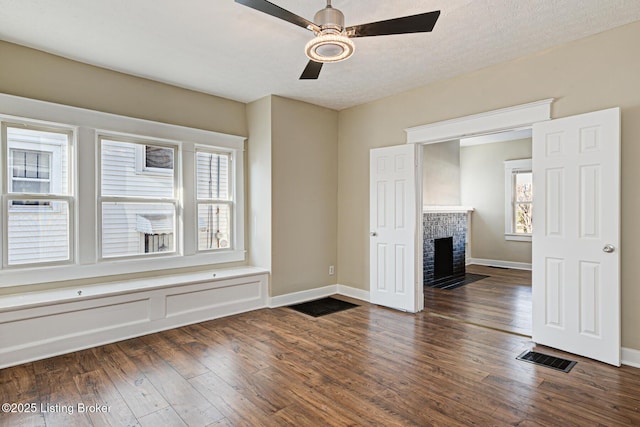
[
  {"x": 44, "y": 324},
  {"x": 504, "y": 119},
  {"x": 631, "y": 357},
  {"x": 498, "y": 263}
]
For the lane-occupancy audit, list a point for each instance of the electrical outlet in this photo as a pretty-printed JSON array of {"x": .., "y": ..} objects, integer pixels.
[{"x": 332, "y": 270}]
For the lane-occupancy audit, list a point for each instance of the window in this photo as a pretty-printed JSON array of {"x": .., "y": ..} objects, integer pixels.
[
  {"x": 85, "y": 194},
  {"x": 518, "y": 200},
  {"x": 213, "y": 199},
  {"x": 38, "y": 200},
  {"x": 139, "y": 211},
  {"x": 30, "y": 171},
  {"x": 152, "y": 160}
]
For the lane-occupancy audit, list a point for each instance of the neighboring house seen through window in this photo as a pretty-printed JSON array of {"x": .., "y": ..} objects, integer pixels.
[
  {"x": 518, "y": 200},
  {"x": 39, "y": 217},
  {"x": 139, "y": 209}
]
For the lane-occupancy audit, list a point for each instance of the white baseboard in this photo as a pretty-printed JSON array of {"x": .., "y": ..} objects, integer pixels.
[
  {"x": 498, "y": 263},
  {"x": 356, "y": 293},
  {"x": 42, "y": 329},
  {"x": 311, "y": 294},
  {"x": 302, "y": 296},
  {"x": 631, "y": 357}
]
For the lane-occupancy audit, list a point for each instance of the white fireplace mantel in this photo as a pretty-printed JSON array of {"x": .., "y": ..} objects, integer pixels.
[{"x": 447, "y": 209}]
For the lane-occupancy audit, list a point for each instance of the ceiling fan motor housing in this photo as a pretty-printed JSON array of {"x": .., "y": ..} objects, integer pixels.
[{"x": 329, "y": 19}]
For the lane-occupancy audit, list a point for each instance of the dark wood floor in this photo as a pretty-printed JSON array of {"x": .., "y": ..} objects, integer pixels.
[
  {"x": 501, "y": 301},
  {"x": 364, "y": 366}
]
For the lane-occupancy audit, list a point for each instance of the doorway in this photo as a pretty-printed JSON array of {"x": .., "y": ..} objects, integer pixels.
[{"x": 464, "y": 195}]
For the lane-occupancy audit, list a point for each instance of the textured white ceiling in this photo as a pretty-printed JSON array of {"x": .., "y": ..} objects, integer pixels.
[{"x": 226, "y": 49}]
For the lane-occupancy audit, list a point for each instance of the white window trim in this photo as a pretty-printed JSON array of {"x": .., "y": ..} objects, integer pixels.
[
  {"x": 87, "y": 124},
  {"x": 511, "y": 167}
]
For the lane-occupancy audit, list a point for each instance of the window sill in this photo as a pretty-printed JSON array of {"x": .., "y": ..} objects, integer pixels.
[
  {"x": 518, "y": 237},
  {"x": 37, "y": 275}
]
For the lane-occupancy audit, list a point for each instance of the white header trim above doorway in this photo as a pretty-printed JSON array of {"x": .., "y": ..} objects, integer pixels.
[{"x": 504, "y": 119}]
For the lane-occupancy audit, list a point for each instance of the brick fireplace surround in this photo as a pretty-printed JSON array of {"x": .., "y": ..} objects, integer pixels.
[{"x": 442, "y": 222}]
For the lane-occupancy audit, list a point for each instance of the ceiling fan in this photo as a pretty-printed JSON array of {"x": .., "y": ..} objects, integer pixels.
[{"x": 332, "y": 42}]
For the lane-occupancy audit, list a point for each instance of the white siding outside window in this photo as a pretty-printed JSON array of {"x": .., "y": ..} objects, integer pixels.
[
  {"x": 37, "y": 197},
  {"x": 138, "y": 205}
]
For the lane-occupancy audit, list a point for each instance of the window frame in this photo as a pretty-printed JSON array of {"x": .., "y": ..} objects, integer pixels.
[
  {"x": 141, "y": 144},
  {"x": 8, "y": 197},
  {"x": 511, "y": 169},
  {"x": 86, "y": 126},
  {"x": 230, "y": 202}
]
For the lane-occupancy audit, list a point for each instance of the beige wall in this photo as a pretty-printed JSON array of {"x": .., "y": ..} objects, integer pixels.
[
  {"x": 482, "y": 183},
  {"x": 598, "y": 72},
  {"x": 441, "y": 174},
  {"x": 293, "y": 176},
  {"x": 34, "y": 74},
  {"x": 259, "y": 182},
  {"x": 305, "y": 187}
]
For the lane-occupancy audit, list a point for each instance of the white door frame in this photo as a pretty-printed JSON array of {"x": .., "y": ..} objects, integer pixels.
[{"x": 490, "y": 122}]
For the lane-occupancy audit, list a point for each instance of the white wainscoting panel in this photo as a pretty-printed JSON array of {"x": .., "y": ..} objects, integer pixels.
[{"x": 37, "y": 328}]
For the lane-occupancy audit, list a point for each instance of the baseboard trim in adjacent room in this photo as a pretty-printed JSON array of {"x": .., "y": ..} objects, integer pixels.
[
  {"x": 498, "y": 263},
  {"x": 631, "y": 357}
]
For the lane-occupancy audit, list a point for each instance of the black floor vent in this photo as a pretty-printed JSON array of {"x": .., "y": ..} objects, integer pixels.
[
  {"x": 552, "y": 362},
  {"x": 321, "y": 307}
]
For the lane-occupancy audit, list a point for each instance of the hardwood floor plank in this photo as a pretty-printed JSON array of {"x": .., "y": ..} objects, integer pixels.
[
  {"x": 188, "y": 403},
  {"x": 59, "y": 398},
  {"x": 104, "y": 404},
  {"x": 172, "y": 353},
  {"x": 18, "y": 385},
  {"x": 239, "y": 410},
  {"x": 136, "y": 389},
  {"x": 163, "y": 417}
]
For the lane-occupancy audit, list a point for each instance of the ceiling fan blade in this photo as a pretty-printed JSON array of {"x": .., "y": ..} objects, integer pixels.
[
  {"x": 420, "y": 23},
  {"x": 273, "y": 10},
  {"x": 311, "y": 71}
]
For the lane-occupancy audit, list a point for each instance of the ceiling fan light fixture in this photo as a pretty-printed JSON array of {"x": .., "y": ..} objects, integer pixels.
[{"x": 329, "y": 47}]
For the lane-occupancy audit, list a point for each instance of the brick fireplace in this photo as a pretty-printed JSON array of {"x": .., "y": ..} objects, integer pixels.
[{"x": 445, "y": 232}]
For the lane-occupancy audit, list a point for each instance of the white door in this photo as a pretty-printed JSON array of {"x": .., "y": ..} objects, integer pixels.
[
  {"x": 394, "y": 228},
  {"x": 576, "y": 235}
]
